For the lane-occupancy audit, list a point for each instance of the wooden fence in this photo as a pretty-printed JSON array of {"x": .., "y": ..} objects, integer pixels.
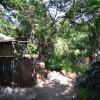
[{"x": 16, "y": 71}]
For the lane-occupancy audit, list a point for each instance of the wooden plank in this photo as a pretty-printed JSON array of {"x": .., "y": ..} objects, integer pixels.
[{"x": 16, "y": 70}]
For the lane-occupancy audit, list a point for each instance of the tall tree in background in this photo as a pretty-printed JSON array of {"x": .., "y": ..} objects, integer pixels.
[{"x": 86, "y": 12}]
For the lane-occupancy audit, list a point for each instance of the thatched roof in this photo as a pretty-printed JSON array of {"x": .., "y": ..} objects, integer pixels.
[{"x": 4, "y": 38}]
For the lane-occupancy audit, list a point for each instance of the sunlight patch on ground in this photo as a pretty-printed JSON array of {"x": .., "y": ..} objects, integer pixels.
[{"x": 55, "y": 87}]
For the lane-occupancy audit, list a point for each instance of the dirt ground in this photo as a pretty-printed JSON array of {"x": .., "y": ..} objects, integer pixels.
[{"x": 55, "y": 87}]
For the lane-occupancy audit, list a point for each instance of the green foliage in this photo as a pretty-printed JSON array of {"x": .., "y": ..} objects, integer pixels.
[
  {"x": 61, "y": 46},
  {"x": 14, "y": 3},
  {"x": 7, "y": 27},
  {"x": 90, "y": 79},
  {"x": 68, "y": 49},
  {"x": 83, "y": 94},
  {"x": 32, "y": 48},
  {"x": 71, "y": 38}
]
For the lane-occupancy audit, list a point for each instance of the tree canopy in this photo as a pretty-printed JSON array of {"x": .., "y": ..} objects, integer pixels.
[{"x": 55, "y": 28}]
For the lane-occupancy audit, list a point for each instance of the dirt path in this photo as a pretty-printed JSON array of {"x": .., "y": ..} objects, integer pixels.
[{"x": 56, "y": 87}]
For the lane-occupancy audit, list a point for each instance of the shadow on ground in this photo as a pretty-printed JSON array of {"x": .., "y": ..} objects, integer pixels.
[{"x": 62, "y": 88}]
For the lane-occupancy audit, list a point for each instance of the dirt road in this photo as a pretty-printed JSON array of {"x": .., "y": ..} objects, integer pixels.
[{"x": 56, "y": 87}]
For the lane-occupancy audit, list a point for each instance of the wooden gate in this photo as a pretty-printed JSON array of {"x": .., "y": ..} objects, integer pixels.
[{"x": 15, "y": 71}]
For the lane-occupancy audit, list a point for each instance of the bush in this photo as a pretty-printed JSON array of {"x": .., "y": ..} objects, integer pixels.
[
  {"x": 91, "y": 77},
  {"x": 67, "y": 63},
  {"x": 83, "y": 94}
]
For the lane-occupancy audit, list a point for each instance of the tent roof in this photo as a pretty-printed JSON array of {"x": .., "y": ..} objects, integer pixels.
[{"x": 4, "y": 38}]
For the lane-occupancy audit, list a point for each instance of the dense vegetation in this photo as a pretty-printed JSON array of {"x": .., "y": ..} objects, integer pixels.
[{"x": 64, "y": 37}]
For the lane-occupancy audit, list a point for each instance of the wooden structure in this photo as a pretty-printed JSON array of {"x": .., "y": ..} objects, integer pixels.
[
  {"x": 14, "y": 70},
  {"x": 6, "y": 47}
]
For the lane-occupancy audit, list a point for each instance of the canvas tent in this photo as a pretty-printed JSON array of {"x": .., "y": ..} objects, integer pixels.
[
  {"x": 4, "y": 38},
  {"x": 6, "y": 45}
]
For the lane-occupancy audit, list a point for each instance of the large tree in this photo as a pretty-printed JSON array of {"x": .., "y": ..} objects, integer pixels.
[
  {"x": 86, "y": 13},
  {"x": 33, "y": 22}
]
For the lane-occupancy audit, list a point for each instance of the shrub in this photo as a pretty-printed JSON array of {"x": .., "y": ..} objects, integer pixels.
[
  {"x": 83, "y": 94},
  {"x": 91, "y": 78}
]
